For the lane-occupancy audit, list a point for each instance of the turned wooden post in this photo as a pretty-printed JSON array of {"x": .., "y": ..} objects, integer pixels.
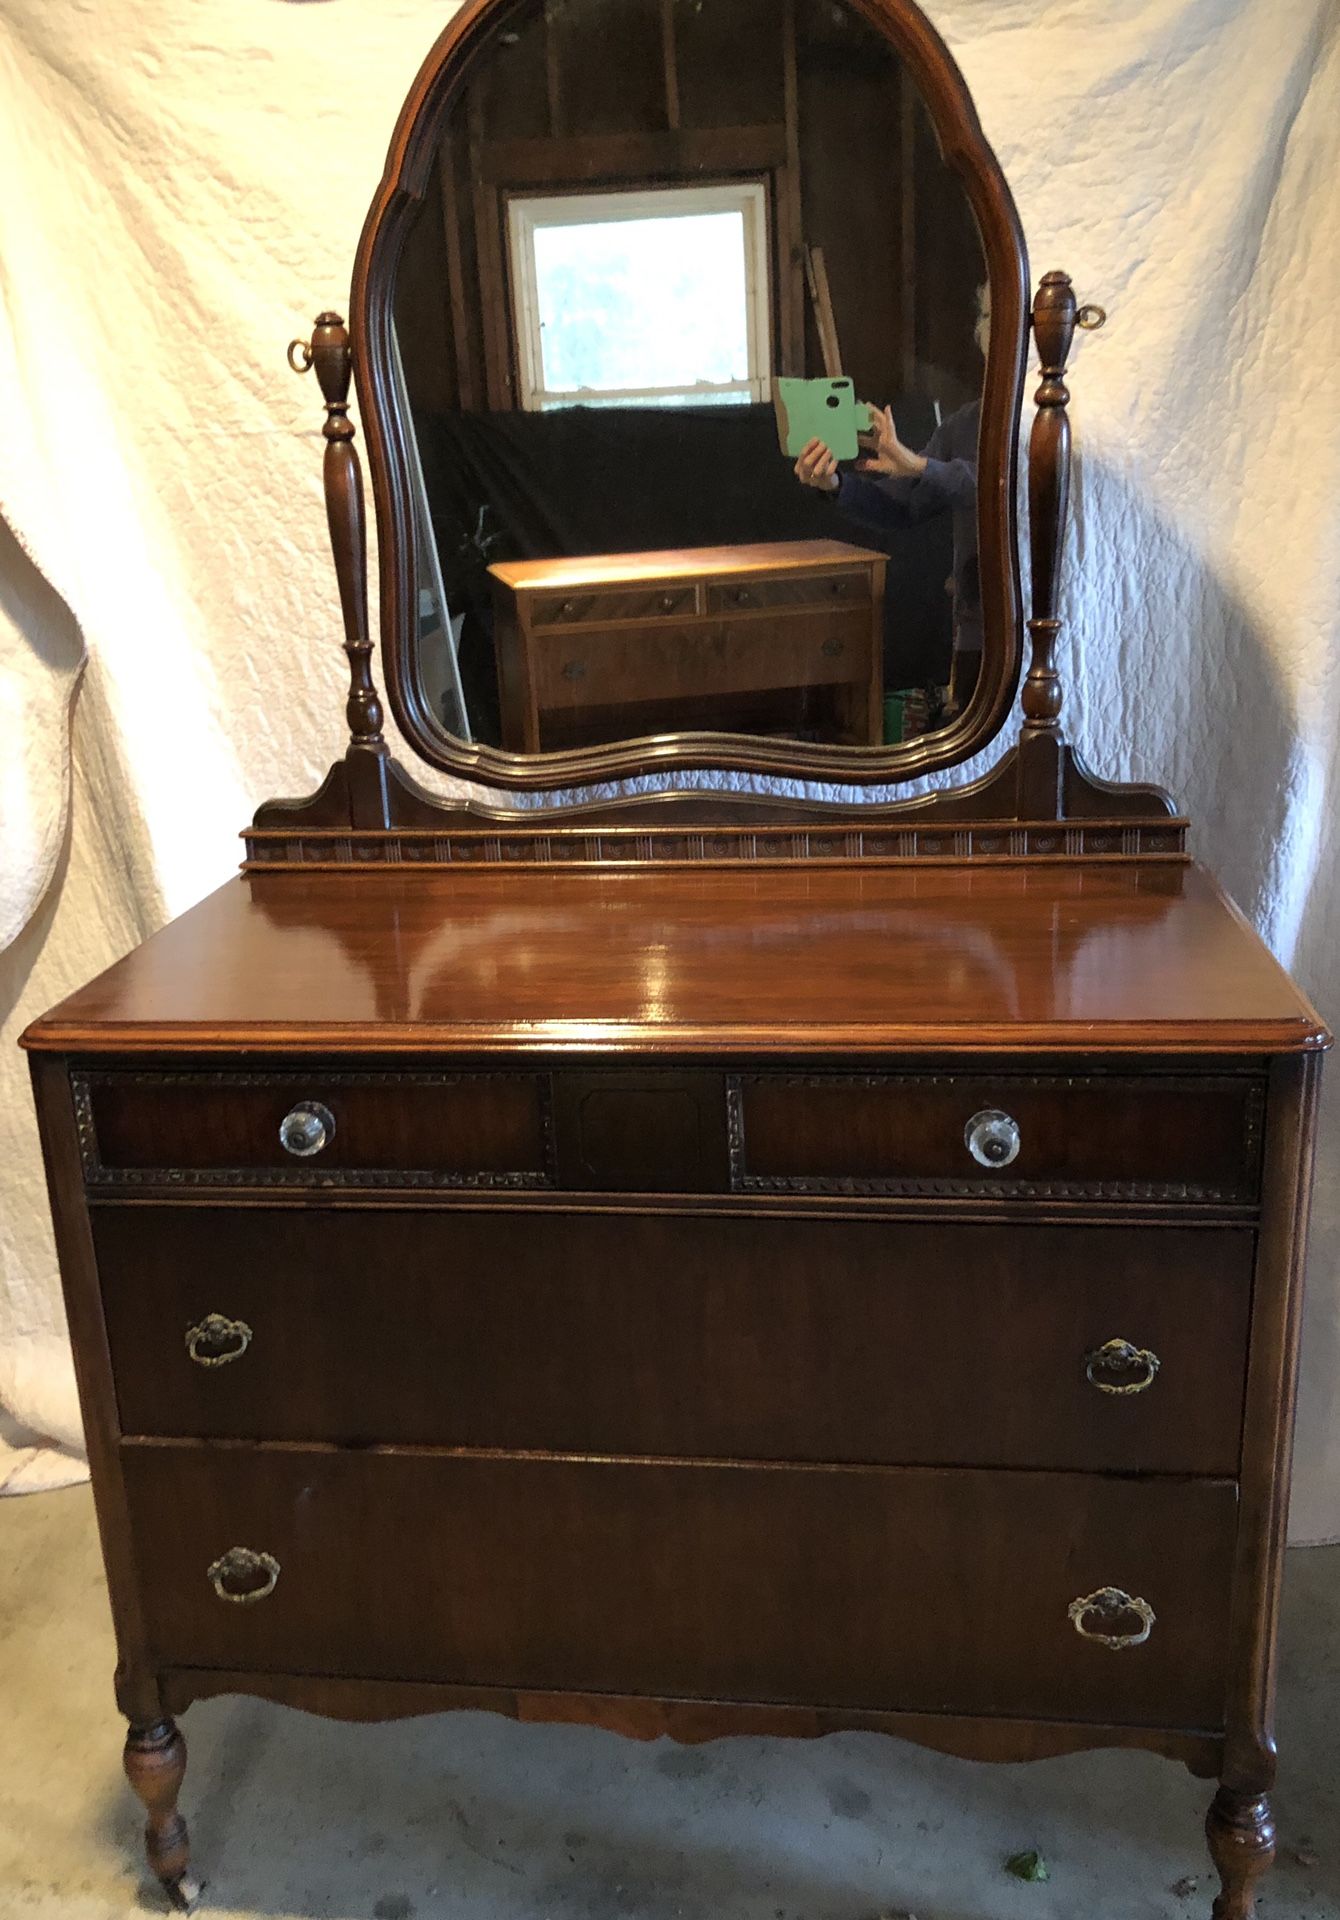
[
  {"x": 155, "y": 1762},
  {"x": 1241, "y": 1834},
  {"x": 367, "y": 757},
  {"x": 1042, "y": 750}
]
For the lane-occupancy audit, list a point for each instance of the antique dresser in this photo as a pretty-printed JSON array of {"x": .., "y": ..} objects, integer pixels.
[
  {"x": 721, "y": 1256},
  {"x": 783, "y": 634}
]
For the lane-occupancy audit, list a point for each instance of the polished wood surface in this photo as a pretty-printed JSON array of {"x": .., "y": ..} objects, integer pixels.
[
  {"x": 707, "y": 1579},
  {"x": 635, "y": 1334},
  {"x": 785, "y": 636},
  {"x": 1062, "y": 960},
  {"x": 695, "y": 564}
]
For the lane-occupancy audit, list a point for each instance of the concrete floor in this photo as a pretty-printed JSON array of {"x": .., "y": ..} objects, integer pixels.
[{"x": 472, "y": 1817}]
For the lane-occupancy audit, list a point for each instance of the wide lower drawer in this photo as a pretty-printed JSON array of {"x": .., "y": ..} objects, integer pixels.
[
  {"x": 1087, "y": 1347},
  {"x": 930, "y": 1591}
]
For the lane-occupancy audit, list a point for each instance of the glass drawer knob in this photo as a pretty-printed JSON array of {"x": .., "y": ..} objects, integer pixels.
[
  {"x": 244, "y": 1576},
  {"x": 1095, "y": 1616},
  {"x": 992, "y": 1138},
  {"x": 306, "y": 1128}
]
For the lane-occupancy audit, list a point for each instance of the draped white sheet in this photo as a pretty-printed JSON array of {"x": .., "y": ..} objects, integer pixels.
[{"x": 184, "y": 187}]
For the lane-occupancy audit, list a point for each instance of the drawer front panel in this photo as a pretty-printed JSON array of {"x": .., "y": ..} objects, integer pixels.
[
  {"x": 944, "y": 1592},
  {"x": 807, "y": 590},
  {"x": 484, "y": 1130},
  {"x": 723, "y": 1338},
  {"x": 674, "y": 599},
  {"x": 688, "y": 662},
  {"x": 1111, "y": 1137}
]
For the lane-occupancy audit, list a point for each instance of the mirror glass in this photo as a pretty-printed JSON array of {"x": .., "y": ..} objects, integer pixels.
[{"x": 690, "y": 328}]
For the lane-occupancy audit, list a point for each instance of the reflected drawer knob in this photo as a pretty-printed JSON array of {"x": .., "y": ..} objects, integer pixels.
[
  {"x": 217, "y": 1340},
  {"x": 1094, "y": 1617},
  {"x": 306, "y": 1128},
  {"x": 1118, "y": 1367},
  {"x": 743, "y": 597},
  {"x": 669, "y": 601},
  {"x": 574, "y": 670},
  {"x": 840, "y": 589},
  {"x": 243, "y": 1576},
  {"x": 568, "y": 609},
  {"x": 992, "y": 1138},
  {"x": 834, "y": 649}
]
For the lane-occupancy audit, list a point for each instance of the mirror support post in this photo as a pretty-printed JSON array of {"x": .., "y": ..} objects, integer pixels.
[
  {"x": 1042, "y": 751},
  {"x": 367, "y": 762}
]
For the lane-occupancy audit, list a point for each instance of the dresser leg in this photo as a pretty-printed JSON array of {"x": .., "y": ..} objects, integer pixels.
[
  {"x": 1242, "y": 1841},
  {"x": 155, "y": 1760}
]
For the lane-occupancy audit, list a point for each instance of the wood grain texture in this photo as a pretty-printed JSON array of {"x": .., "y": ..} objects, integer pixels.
[
  {"x": 632, "y": 1334},
  {"x": 1073, "y": 960},
  {"x": 950, "y": 1590}
]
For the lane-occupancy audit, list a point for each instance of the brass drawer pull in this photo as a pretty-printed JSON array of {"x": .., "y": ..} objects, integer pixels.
[
  {"x": 1108, "y": 1605},
  {"x": 241, "y": 1564},
  {"x": 306, "y": 1128},
  {"x": 217, "y": 1340},
  {"x": 992, "y": 1138},
  {"x": 1118, "y": 1367}
]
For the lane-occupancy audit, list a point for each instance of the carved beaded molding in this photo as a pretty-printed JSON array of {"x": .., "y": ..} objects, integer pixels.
[
  {"x": 574, "y": 846},
  {"x": 306, "y": 1174},
  {"x": 895, "y": 1186}
]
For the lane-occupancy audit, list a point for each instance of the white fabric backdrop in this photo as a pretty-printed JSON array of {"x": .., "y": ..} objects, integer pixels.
[{"x": 185, "y": 180}]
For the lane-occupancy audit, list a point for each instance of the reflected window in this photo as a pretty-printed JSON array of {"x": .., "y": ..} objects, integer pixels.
[{"x": 649, "y": 298}]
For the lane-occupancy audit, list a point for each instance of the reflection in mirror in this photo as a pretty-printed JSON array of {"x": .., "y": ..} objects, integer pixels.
[{"x": 692, "y": 344}]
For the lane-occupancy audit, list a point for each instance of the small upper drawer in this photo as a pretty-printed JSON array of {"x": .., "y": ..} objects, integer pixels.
[
  {"x": 801, "y": 590},
  {"x": 672, "y": 600},
  {"x": 317, "y": 1129},
  {"x": 1101, "y": 1136}
]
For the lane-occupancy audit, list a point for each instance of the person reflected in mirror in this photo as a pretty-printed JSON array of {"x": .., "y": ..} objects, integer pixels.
[{"x": 892, "y": 486}]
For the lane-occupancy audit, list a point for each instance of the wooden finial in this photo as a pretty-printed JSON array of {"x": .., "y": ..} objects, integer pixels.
[{"x": 329, "y": 352}]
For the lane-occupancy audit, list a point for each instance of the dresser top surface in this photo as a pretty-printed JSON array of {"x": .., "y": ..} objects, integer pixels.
[
  {"x": 680, "y": 563},
  {"x": 802, "y": 961}
]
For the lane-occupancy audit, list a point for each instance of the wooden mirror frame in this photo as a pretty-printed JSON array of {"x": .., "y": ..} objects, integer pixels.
[{"x": 413, "y": 150}]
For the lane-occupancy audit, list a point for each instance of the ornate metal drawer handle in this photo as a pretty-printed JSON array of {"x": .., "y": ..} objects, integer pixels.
[
  {"x": 833, "y": 648},
  {"x": 1138, "y": 1364},
  {"x": 1108, "y": 1605},
  {"x": 992, "y": 1138},
  {"x": 669, "y": 601},
  {"x": 215, "y": 1331},
  {"x": 574, "y": 670},
  {"x": 306, "y": 1128},
  {"x": 243, "y": 1563}
]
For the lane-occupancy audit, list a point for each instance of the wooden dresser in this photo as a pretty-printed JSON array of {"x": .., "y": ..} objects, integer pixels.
[
  {"x": 858, "y": 1308},
  {"x": 780, "y": 1248},
  {"x": 783, "y": 636}
]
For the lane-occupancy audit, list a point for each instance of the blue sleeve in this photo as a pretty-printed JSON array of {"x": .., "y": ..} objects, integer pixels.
[{"x": 880, "y": 503}]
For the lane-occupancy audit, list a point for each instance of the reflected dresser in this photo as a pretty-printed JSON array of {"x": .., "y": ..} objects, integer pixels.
[{"x": 784, "y": 636}]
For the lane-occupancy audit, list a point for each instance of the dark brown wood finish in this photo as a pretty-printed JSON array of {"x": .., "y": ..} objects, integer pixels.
[
  {"x": 155, "y": 1763},
  {"x": 408, "y": 176},
  {"x": 678, "y": 1579},
  {"x": 776, "y": 1339}
]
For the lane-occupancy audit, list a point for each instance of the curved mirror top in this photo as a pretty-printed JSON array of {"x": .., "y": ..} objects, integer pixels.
[{"x": 687, "y": 340}]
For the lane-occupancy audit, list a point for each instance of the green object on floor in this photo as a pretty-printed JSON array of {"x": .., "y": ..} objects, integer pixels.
[{"x": 1028, "y": 1866}]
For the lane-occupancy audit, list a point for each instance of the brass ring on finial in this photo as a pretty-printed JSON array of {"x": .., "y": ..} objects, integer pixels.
[
  {"x": 302, "y": 349},
  {"x": 1091, "y": 318}
]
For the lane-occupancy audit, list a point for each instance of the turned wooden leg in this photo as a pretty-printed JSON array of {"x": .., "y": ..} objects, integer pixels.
[
  {"x": 155, "y": 1767},
  {"x": 1242, "y": 1840}
]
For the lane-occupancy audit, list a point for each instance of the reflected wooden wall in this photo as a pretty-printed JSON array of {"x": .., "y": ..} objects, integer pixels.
[{"x": 619, "y": 93}]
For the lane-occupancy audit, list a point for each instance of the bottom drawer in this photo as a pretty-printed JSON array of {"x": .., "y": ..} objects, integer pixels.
[{"x": 880, "y": 1588}]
